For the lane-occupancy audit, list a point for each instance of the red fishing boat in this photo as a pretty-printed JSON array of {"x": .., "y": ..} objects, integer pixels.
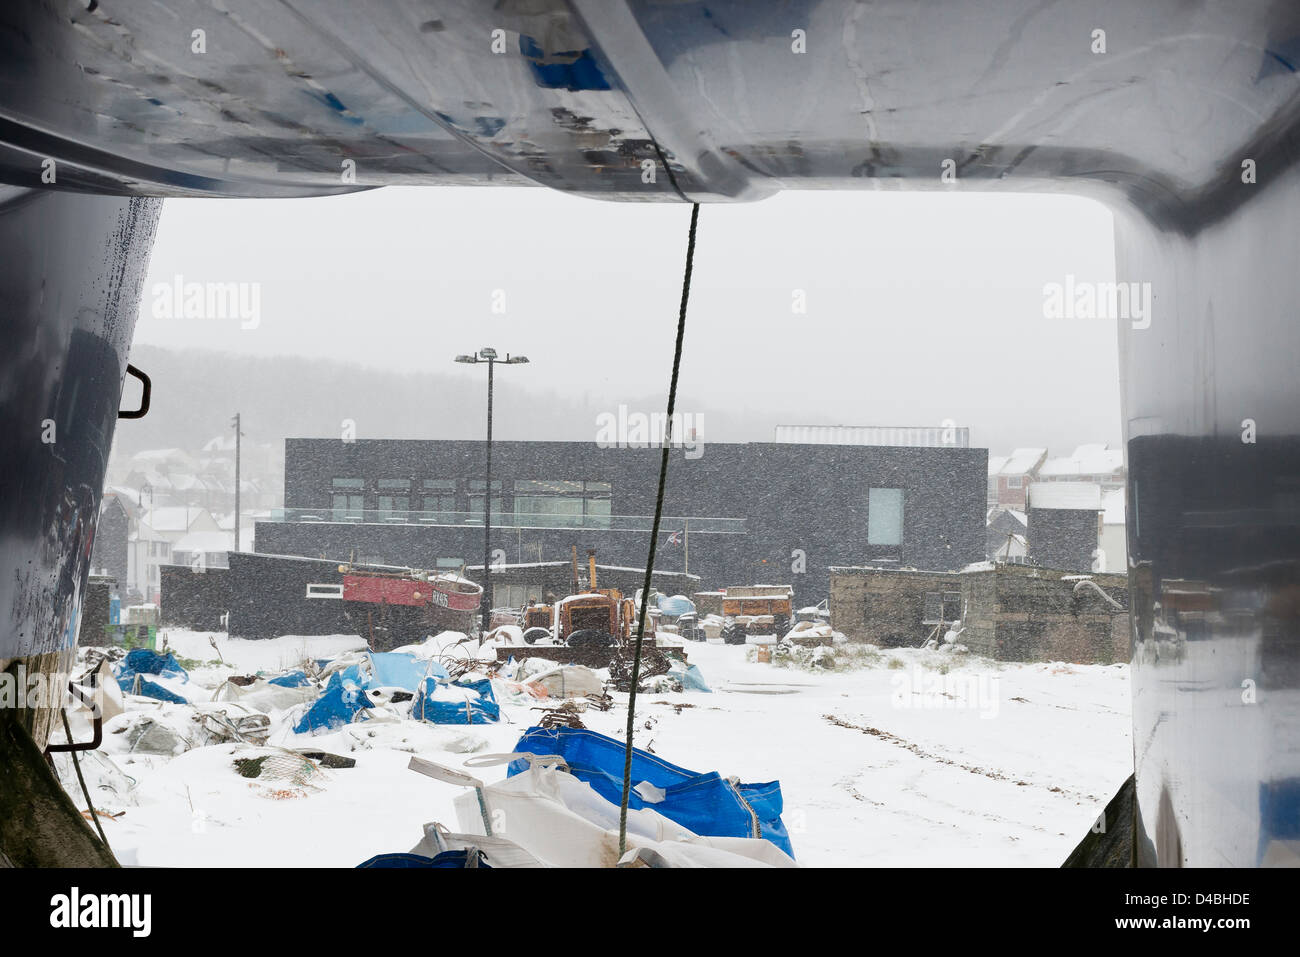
[{"x": 390, "y": 607}]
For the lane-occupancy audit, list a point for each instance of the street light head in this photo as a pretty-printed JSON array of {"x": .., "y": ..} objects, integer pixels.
[
  {"x": 466, "y": 359},
  {"x": 516, "y": 360},
  {"x": 487, "y": 352}
]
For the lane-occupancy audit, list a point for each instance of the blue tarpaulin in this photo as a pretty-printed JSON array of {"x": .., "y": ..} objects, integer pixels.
[
  {"x": 460, "y": 702},
  {"x": 676, "y": 605},
  {"x": 140, "y": 663},
  {"x": 706, "y": 803},
  {"x": 693, "y": 680},
  {"x": 151, "y": 689},
  {"x": 294, "y": 679},
  {"x": 447, "y": 859},
  {"x": 397, "y": 669},
  {"x": 338, "y": 704},
  {"x": 146, "y": 661}
]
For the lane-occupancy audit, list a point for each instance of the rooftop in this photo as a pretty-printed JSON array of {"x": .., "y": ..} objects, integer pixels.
[{"x": 1079, "y": 496}]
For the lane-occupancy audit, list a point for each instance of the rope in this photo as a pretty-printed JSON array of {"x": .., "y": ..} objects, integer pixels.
[
  {"x": 654, "y": 534},
  {"x": 94, "y": 815}
]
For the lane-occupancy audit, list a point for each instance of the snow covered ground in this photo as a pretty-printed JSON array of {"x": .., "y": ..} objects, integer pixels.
[{"x": 894, "y": 764}]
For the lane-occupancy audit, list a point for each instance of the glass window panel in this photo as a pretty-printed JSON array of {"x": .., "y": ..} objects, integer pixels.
[{"x": 885, "y": 516}]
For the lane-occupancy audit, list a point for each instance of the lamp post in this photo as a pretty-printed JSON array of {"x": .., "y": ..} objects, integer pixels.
[
  {"x": 238, "y": 434},
  {"x": 489, "y": 355}
]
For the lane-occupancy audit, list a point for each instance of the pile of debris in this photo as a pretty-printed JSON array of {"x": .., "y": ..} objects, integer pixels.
[{"x": 562, "y": 794}]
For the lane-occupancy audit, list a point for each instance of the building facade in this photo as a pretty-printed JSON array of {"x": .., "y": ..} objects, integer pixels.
[{"x": 740, "y": 513}]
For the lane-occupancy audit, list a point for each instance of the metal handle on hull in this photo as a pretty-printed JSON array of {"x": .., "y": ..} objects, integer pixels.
[{"x": 146, "y": 386}]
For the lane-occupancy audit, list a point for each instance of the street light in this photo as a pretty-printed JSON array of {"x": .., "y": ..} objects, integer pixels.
[{"x": 488, "y": 355}]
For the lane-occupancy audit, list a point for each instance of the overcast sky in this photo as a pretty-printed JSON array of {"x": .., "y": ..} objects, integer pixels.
[{"x": 920, "y": 307}]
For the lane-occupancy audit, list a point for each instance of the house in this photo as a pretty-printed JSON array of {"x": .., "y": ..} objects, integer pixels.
[
  {"x": 1010, "y": 475},
  {"x": 127, "y": 549},
  {"x": 109, "y": 555},
  {"x": 174, "y": 522},
  {"x": 1007, "y": 535},
  {"x": 148, "y": 551},
  {"x": 1064, "y": 525},
  {"x": 203, "y": 549},
  {"x": 1087, "y": 463},
  {"x": 1114, "y": 531}
]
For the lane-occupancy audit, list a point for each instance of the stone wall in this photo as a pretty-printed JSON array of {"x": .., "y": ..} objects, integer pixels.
[{"x": 1010, "y": 612}]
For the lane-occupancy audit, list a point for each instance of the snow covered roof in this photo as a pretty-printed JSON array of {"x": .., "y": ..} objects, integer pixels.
[
  {"x": 205, "y": 542},
  {"x": 1085, "y": 460},
  {"x": 1022, "y": 461},
  {"x": 1018, "y": 515},
  {"x": 996, "y": 462},
  {"x": 173, "y": 518},
  {"x": 1084, "y": 496}
]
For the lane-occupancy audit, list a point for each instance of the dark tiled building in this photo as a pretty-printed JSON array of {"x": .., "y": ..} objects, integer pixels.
[
  {"x": 741, "y": 513},
  {"x": 1064, "y": 520}
]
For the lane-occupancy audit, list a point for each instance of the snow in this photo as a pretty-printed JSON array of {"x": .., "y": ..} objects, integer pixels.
[
  {"x": 1094, "y": 460},
  {"x": 1085, "y": 496},
  {"x": 1022, "y": 461},
  {"x": 878, "y": 766},
  {"x": 1112, "y": 504}
]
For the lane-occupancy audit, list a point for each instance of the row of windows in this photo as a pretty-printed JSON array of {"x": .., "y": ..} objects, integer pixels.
[
  {"x": 589, "y": 501},
  {"x": 559, "y": 499}
]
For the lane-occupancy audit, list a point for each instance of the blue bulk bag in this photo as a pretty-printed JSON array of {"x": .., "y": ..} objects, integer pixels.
[
  {"x": 151, "y": 689},
  {"x": 706, "y": 803},
  {"x": 294, "y": 679},
  {"x": 338, "y": 704},
  {"x": 693, "y": 680},
  {"x": 676, "y": 605},
  {"x": 397, "y": 669},
  {"x": 447, "y": 859},
  {"x": 478, "y": 707}
]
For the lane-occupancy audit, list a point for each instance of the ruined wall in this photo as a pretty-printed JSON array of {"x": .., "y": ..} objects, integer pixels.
[
  {"x": 979, "y": 598},
  {"x": 1036, "y": 616},
  {"x": 884, "y": 606},
  {"x": 1010, "y": 612}
]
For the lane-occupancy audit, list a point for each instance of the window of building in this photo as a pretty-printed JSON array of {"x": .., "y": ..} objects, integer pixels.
[
  {"x": 476, "y": 497},
  {"x": 951, "y": 605},
  {"x": 393, "y": 502},
  {"x": 514, "y": 595},
  {"x": 440, "y": 495},
  {"x": 348, "y": 499},
  {"x": 885, "y": 516},
  {"x": 1015, "y": 481},
  {"x": 563, "y": 504}
]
